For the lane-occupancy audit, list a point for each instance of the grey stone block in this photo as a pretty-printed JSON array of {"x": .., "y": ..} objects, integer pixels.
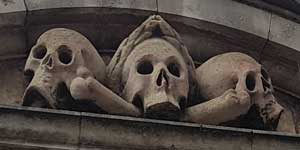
[
  {"x": 134, "y": 4},
  {"x": 113, "y": 132},
  {"x": 12, "y": 19},
  {"x": 25, "y": 128},
  {"x": 224, "y": 12},
  {"x": 12, "y": 80},
  {"x": 285, "y": 32},
  {"x": 12, "y": 13},
  {"x": 263, "y": 140},
  {"x": 39, "y": 127},
  {"x": 7, "y": 6},
  {"x": 13, "y": 41},
  {"x": 46, "y": 4}
]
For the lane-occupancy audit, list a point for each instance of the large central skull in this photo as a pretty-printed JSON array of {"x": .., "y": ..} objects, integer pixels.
[
  {"x": 58, "y": 57},
  {"x": 156, "y": 79},
  {"x": 153, "y": 70}
]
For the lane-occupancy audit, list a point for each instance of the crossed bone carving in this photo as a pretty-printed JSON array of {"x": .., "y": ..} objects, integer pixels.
[{"x": 151, "y": 75}]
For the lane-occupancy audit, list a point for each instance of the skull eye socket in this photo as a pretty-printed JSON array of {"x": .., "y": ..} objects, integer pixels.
[
  {"x": 250, "y": 81},
  {"x": 145, "y": 68},
  {"x": 174, "y": 69},
  {"x": 39, "y": 52},
  {"x": 64, "y": 54}
]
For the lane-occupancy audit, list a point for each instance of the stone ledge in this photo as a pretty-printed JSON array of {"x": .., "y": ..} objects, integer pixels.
[
  {"x": 34, "y": 128},
  {"x": 133, "y": 4}
]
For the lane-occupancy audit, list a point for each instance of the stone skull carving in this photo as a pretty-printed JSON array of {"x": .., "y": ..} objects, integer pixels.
[
  {"x": 151, "y": 75},
  {"x": 59, "y": 56},
  {"x": 155, "y": 70},
  {"x": 243, "y": 74},
  {"x": 156, "y": 74}
]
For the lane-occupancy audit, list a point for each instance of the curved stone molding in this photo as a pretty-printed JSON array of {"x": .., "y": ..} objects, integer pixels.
[{"x": 133, "y": 4}]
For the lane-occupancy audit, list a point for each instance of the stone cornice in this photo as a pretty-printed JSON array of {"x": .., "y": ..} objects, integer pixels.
[{"x": 29, "y": 128}]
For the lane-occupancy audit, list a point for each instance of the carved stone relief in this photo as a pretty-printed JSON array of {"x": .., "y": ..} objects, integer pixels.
[
  {"x": 246, "y": 90},
  {"x": 152, "y": 75},
  {"x": 153, "y": 70},
  {"x": 58, "y": 58}
]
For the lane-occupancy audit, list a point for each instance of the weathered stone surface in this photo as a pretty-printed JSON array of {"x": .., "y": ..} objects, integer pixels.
[
  {"x": 35, "y": 128},
  {"x": 46, "y": 4},
  {"x": 277, "y": 141},
  {"x": 12, "y": 19},
  {"x": 12, "y": 13},
  {"x": 7, "y": 6},
  {"x": 283, "y": 44},
  {"x": 285, "y": 32},
  {"x": 12, "y": 82},
  {"x": 281, "y": 58},
  {"x": 133, "y": 133},
  {"x": 13, "y": 41},
  {"x": 133, "y": 4},
  {"x": 25, "y": 127}
]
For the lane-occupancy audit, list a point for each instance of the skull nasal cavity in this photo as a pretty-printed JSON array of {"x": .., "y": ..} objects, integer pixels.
[
  {"x": 145, "y": 68},
  {"x": 250, "y": 81},
  {"x": 48, "y": 61},
  {"x": 159, "y": 80},
  {"x": 64, "y": 54}
]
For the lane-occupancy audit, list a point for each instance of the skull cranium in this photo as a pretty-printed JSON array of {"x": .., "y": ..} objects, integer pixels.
[
  {"x": 239, "y": 71},
  {"x": 58, "y": 57}
]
